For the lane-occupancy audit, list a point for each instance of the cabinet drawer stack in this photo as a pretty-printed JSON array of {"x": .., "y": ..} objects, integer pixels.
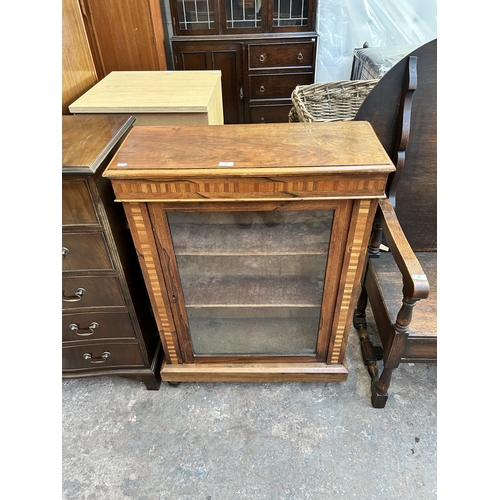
[
  {"x": 107, "y": 322},
  {"x": 274, "y": 70}
]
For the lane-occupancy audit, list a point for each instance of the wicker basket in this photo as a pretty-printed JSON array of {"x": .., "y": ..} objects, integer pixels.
[
  {"x": 332, "y": 101},
  {"x": 292, "y": 115}
]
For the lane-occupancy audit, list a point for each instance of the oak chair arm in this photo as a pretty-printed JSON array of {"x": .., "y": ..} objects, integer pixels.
[{"x": 415, "y": 283}]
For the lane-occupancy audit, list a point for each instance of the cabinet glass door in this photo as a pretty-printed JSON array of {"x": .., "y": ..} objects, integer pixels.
[
  {"x": 290, "y": 13},
  {"x": 210, "y": 17},
  {"x": 252, "y": 281},
  {"x": 196, "y": 14},
  {"x": 243, "y": 14}
]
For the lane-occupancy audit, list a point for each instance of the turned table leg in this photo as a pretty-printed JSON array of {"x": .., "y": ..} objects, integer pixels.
[{"x": 370, "y": 353}]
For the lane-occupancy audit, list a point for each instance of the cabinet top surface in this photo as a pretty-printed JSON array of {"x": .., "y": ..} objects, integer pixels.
[
  {"x": 274, "y": 148},
  {"x": 87, "y": 140},
  {"x": 150, "y": 91}
]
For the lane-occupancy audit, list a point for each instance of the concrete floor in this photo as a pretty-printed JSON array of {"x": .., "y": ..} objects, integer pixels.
[{"x": 219, "y": 441}]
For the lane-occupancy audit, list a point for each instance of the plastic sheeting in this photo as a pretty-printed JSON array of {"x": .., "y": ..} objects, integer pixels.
[{"x": 344, "y": 25}]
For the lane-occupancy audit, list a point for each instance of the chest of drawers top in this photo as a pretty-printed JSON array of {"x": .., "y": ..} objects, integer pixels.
[{"x": 88, "y": 139}]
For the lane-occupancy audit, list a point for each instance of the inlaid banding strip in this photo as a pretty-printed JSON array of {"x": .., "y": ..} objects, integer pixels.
[
  {"x": 347, "y": 288},
  {"x": 180, "y": 189},
  {"x": 151, "y": 274}
]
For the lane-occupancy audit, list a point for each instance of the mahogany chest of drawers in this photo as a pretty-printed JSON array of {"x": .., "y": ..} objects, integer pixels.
[{"x": 107, "y": 322}]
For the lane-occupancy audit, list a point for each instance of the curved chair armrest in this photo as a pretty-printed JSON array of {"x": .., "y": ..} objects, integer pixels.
[{"x": 415, "y": 283}]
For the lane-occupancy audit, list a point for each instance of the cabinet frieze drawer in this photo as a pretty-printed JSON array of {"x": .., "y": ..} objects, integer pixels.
[
  {"x": 85, "y": 251},
  {"x": 277, "y": 86},
  {"x": 266, "y": 187},
  {"x": 93, "y": 291},
  {"x": 105, "y": 355},
  {"x": 77, "y": 327},
  {"x": 78, "y": 207},
  {"x": 276, "y": 55}
]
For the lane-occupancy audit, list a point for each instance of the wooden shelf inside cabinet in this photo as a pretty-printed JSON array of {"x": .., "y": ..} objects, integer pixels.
[
  {"x": 251, "y": 240},
  {"x": 108, "y": 327}
]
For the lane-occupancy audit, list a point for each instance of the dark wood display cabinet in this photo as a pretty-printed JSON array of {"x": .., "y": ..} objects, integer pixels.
[
  {"x": 108, "y": 325},
  {"x": 252, "y": 242},
  {"x": 264, "y": 49}
]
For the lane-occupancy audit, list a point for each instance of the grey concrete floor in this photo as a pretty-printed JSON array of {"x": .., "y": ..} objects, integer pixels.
[{"x": 261, "y": 441}]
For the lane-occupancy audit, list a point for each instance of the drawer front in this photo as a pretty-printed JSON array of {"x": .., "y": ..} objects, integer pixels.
[
  {"x": 277, "y": 86},
  {"x": 85, "y": 251},
  {"x": 77, "y": 204},
  {"x": 270, "y": 114},
  {"x": 278, "y": 55},
  {"x": 94, "y": 357},
  {"x": 96, "y": 325},
  {"x": 97, "y": 291}
]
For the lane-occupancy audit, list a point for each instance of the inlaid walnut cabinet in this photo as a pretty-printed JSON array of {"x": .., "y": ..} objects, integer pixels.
[{"x": 251, "y": 239}]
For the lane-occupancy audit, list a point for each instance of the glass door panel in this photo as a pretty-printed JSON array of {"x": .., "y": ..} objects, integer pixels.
[
  {"x": 196, "y": 14},
  {"x": 252, "y": 281},
  {"x": 290, "y": 12},
  {"x": 243, "y": 14}
]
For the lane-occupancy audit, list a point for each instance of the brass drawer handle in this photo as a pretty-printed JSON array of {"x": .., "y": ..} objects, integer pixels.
[
  {"x": 102, "y": 359},
  {"x": 262, "y": 58},
  {"x": 74, "y": 298},
  {"x": 65, "y": 252},
  {"x": 300, "y": 56},
  {"x": 84, "y": 332},
  {"x": 262, "y": 88}
]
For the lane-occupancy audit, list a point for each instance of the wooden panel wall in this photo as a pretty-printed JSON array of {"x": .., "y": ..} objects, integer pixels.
[
  {"x": 125, "y": 35},
  {"x": 78, "y": 69}
]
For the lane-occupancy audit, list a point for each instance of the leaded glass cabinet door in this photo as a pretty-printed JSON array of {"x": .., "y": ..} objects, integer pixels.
[
  {"x": 196, "y": 17},
  {"x": 265, "y": 15},
  {"x": 243, "y": 14},
  {"x": 254, "y": 284},
  {"x": 290, "y": 13},
  {"x": 212, "y": 17}
]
